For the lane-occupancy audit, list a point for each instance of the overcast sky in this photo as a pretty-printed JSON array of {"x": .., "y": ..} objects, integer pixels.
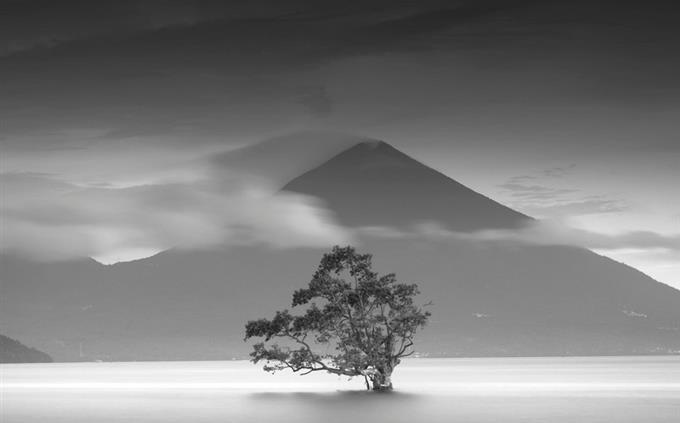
[{"x": 567, "y": 111}]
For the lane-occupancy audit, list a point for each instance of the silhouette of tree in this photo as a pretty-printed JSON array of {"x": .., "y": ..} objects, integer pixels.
[{"x": 354, "y": 323}]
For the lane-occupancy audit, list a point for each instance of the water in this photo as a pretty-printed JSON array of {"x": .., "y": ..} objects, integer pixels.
[{"x": 554, "y": 390}]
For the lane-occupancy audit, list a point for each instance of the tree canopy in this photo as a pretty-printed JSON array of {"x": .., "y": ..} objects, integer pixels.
[{"x": 353, "y": 322}]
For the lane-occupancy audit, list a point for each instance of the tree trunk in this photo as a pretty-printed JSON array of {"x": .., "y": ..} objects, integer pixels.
[{"x": 382, "y": 380}]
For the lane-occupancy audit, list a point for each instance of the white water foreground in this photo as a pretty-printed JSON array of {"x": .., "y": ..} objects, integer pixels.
[{"x": 562, "y": 389}]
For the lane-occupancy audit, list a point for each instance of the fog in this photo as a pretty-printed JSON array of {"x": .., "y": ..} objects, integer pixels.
[
  {"x": 600, "y": 389},
  {"x": 539, "y": 232}
]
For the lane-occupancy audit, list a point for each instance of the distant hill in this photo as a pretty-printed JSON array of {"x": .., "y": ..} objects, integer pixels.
[
  {"x": 491, "y": 298},
  {"x": 13, "y": 351}
]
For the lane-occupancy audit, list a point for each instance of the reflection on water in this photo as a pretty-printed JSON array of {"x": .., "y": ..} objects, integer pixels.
[{"x": 602, "y": 389}]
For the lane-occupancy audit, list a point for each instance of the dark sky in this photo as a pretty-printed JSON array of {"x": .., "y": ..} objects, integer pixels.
[{"x": 565, "y": 110}]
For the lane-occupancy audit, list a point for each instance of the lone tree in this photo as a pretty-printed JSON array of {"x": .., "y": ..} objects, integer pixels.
[{"x": 354, "y": 323}]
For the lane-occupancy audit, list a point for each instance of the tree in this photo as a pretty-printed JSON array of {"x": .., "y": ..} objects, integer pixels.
[{"x": 353, "y": 323}]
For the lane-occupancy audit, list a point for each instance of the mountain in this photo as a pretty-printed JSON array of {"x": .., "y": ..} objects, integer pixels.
[
  {"x": 492, "y": 297},
  {"x": 489, "y": 297},
  {"x": 13, "y": 351},
  {"x": 374, "y": 184}
]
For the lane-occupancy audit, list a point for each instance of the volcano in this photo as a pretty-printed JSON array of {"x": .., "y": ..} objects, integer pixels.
[
  {"x": 374, "y": 184},
  {"x": 490, "y": 298}
]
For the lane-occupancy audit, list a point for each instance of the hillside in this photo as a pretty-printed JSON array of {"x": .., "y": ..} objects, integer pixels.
[
  {"x": 13, "y": 351},
  {"x": 374, "y": 184},
  {"x": 490, "y": 297}
]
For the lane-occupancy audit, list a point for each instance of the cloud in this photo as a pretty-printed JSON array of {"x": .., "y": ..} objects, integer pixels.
[
  {"x": 527, "y": 193},
  {"x": 126, "y": 201},
  {"x": 540, "y": 233},
  {"x": 554, "y": 233},
  {"x": 41, "y": 24},
  {"x": 537, "y": 195},
  {"x": 593, "y": 204},
  {"x": 559, "y": 171},
  {"x": 527, "y": 189},
  {"x": 316, "y": 99},
  {"x": 47, "y": 219},
  {"x": 278, "y": 160},
  {"x": 658, "y": 255}
]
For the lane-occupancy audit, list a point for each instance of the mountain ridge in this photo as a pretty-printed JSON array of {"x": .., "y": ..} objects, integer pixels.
[
  {"x": 381, "y": 178},
  {"x": 490, "y": 298}
]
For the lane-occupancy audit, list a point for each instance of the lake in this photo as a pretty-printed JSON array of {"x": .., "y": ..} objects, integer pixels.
[{"x": 573, "y": 389}]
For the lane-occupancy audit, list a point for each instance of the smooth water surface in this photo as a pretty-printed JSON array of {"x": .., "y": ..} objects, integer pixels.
[{"x": 575, "y": 389}]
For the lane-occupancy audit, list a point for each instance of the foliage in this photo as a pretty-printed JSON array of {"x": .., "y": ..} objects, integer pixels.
[{"x": 360, "y": 325}]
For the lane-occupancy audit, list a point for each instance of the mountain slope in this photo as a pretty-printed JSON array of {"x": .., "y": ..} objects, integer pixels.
[
  {"x": 373, "y": 184},
  {"x": 490, "y": 298},
  {"x": 13, "y": 351},
  {"x": 502, "y": 297},
  {"x": 494, "y": 298}
]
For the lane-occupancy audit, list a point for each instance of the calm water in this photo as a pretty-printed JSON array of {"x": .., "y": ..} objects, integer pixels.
[{"x": 601, "y": 389}]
